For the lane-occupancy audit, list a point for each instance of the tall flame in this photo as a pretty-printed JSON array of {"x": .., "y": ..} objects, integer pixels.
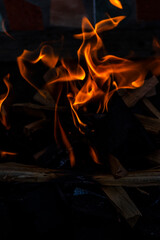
[{"x": 3, "y": 97}]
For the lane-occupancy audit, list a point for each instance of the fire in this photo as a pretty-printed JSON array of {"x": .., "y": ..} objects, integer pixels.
[
  {"x": 116, "y": 3},
  {"x": 156, "y": 44},
  {"x": 67, "y": 145},
  {"x": 47, "y": 56},
  {"x": 3, "y": 97},
  {"x": 5, "y": 154},
  {"x": 105, "y": 74},
  {"x": 5, "y": 31},
  {"x": 93, "y": 154}
]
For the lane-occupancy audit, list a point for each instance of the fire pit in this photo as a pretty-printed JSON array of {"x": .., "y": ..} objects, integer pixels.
[{"x": 80, "y": 131}]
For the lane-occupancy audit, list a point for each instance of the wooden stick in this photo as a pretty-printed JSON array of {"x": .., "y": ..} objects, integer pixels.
[
  {"x": 33, "y": 127},
  {"x": 13, "y": 172},
  {"x": 151, "y": 107},
  {"x": 35, "y": 107},
  {"x": 37, "y": 155},
  {"x": 133, "y": 96},
  {"x": 152, "y": 125},
  {"x": 124, "y": 205}
]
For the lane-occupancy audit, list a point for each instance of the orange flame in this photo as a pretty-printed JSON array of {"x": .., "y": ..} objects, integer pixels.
[
  {"x": 116, "y": 3},
  {"x": 46, "y": 55},
  {"x": 67, "y": 145},
  {"x": 105, "y": 74},
  {"x": 98, "y": 85},
  {"x": 93, "y": 154},
  {"x": 4, "y": 154},
  {"x": 5, "y": 31},
  {"x": 156, "y": 44},
  {"x": 3, "y": 97}
]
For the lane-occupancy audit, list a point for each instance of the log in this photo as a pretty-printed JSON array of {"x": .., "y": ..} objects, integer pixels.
[
  {"x": 152, "y": 125},
  {"x": 124, "y": 205}
]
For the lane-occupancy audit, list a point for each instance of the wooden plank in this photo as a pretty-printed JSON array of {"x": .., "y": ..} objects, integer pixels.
[{"x": 124, "y": 205}]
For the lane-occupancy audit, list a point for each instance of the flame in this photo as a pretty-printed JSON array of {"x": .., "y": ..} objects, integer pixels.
[
  {"x": 5, "y": 31},
  {"x": 93, "y": 154},
  {"x": 116, "y": 3},
  {"x": 102, "y": 76},
  {"x": 4, "y": 154},
  {"x": 99, "y": 84},
  {"x": 67, "y": 145},
  {"x": 3, "y": 97},
  {"x": 46, "y": 55},
  {"x": 156, "y": 44}
]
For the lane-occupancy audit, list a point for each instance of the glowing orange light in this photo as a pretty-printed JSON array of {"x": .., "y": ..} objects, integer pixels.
[
  {"x": 116, "y": 3},
  {"x": 5, "y": 31},
  {"x": 5, "y": 154},
  {"x": 3, "y": 97},
  {"x": 67, "y": 145},
  {"x": 93, "y": 155}
]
